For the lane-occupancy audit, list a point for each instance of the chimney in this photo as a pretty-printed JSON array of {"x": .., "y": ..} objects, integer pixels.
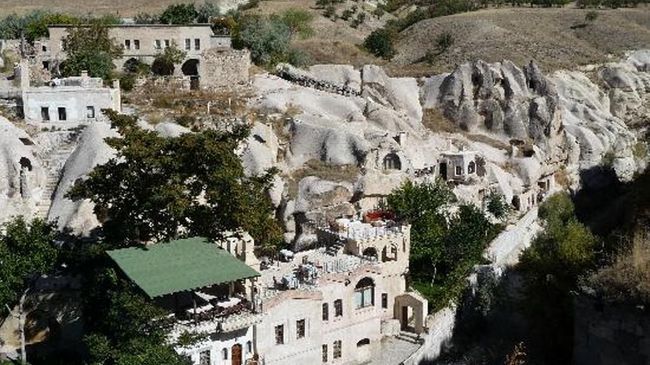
[{"x": 84, "y": 74}]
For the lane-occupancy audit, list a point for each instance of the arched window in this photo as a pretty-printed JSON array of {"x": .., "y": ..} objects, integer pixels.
[
  {"x": 364, "y": 342},
  {"x": 392, "y": 162},
  {"x": 364, "y": 293},
  {"x": 370, "y": 252},
  {"x": 224, "y": 353},
  {"x": 249, "y": 347},
  {"x": 471, "y": 168}
]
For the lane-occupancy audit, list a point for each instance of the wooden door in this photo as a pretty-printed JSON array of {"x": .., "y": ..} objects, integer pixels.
[{"x": 236, "y": 354}]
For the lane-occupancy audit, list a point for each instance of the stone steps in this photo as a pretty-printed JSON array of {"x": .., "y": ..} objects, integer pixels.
[
  {"x": 410, "y": 337},
  {"x": 53, "y": 162}
]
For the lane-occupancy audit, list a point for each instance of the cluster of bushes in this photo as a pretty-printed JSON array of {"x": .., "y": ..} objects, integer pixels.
[
  {"x": 181, "y": 14},
  {"x": 444, "y": 246},
  {"x": 610, "y": 3},
  {"x": 33, "y": 25}
]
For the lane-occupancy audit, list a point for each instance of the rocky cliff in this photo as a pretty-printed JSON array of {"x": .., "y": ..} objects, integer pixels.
[{"x": 344, "y": 137}]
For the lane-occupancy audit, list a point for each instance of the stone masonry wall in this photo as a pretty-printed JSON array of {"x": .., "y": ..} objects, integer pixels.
[{"x": 224, "y": 68}]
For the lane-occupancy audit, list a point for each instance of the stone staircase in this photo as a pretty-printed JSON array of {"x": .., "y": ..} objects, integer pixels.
[
  {"x": 53, "y": 161},
  {"x": 335, "y": 248},
  {"x": 410, "y": 337}
]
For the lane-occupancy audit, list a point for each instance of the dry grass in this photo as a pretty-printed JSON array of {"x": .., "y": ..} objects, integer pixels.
[
  {"x": 435, "y": 121},
  {"x": 159, "y": 103},
  {"x": 522, "y": 34},
  {"x": 123, "y": 8},
  {"x": 322, "y": 170},
  {"x": 628, "y": 278}
]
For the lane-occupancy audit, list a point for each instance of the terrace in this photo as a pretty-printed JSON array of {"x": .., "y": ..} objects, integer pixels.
[{"x": 202, "y": 287}]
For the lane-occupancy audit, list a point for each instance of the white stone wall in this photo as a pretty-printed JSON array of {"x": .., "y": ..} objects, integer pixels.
[
  {"x": 75, "y": 100},
  {"x": 217, "y": 343}
]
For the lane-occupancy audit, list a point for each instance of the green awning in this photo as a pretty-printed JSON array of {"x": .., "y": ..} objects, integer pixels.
[{"x": 179, "y": 265}]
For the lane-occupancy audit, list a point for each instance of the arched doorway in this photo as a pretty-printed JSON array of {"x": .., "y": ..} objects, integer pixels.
[
  {"x": 25, "y": 163},
  {"x": 471, "y": 167},
  {"x": 363, "y": 350},
  {"x": 236, "y": 354},
  {"x": 191, "y": 68},
  {"x": 392, "y": 162},
  {"x": 410, "y": 309},
  {"x": 161, "y": 67}
]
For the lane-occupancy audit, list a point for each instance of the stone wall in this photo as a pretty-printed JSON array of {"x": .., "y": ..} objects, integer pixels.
[
  {"x": 610, "y": 333},
  {"x": 224, "y": 68}
]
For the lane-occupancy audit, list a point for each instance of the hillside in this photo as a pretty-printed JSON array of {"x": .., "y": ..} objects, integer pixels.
[{"x": 555, "y": 38}]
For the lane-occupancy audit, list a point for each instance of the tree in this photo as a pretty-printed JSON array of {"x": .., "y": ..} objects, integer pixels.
[
  {"x": 164, "y": 62},
  {"x": 299, "y": 22},
  {"x": 496, "y": 204},
  {"x": 37, "y": 27},
  {"x": 179, "y": 14},
  {"x": 268, "y": 39},
  {"x": 159, "y": 188},
  {"x": 90, "y": 49},
  {"x": 206, "y": 12},
  {"x": 380, "y": 43},
  {"x": 421, "y": 205},
  {"x": 27, "y": 251},
  {"x": 558, "y": 256}
]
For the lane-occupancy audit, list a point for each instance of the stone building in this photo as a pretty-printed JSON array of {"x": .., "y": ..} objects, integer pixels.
[
  {"x": 336, "y": 304},
  {"x": 207, "y": 55},
  {"x": 68, "y": 100}
]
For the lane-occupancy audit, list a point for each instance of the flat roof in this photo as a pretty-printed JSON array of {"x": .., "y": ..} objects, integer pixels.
[{"x": 179, "y": 265}]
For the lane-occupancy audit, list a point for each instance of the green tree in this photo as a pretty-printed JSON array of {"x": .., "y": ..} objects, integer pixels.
[
  {"x": 27, "y": 251},
  {"x": 298, "y": 21},
  {"x": 161, "y": 188},
  {"x": 206, "y": 12},
  {"x": 559, "y": 255},
  {"x": 268, "y": 39},
  {"x": 179, "y": 14},
  {"x": 91, "y": 49},
  {"x": 37, "y": 27},
  {"x": 496, "y": 204},
  {"x": 164, "y": 62},
  {"x": 380, "y": 43}
]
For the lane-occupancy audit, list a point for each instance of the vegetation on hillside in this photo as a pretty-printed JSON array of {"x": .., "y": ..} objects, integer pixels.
[
  {"x": 33, "y": 25},
  {"x": 564, "y": 251},
  {"x": 90, "y": 49},
  {"x": 159, "y": 188},
  {"x": 445, "y": 246}
]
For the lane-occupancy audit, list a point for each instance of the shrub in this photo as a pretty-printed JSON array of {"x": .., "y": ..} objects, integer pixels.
[
  {"x": 496, "y": 204},
  {"x": 444, "y": 41},
  {"x": 347, "y": 13},
  {"x": 330, "y": 12},
  {"x": 380, "y": 43},
  {"x": 164, "y": 62},
  {"x": 127, "y": 81},
  {"x": 591, "y": 16}
]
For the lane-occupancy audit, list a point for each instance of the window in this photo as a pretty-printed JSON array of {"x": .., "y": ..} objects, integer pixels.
[
  {"x": 300, "y": 328},
  {"x": 364, "y": 293},
  {"x": 204, "y": 357},
  {"x": 384, "y": 300},
  {"x": 197, "y": 44},
  {"x": 471, "y": 167},
  {"x": 46, "y": 65},
  {"x": 44, "y": 48},
  {"x": 326, "y": 312},
  {"x": 338, "y": 308},
  {"x": 62, "y": 114},
  {"x": 392, "y": 162},
  {"x": 249, "y": 347},
  {"x": 45, "y": 113},
  {"x": 324, "y": 353},
  {"x": 224, "y": 353},
  {"x": 279, "y": 335},
  {"x": 188, "y": 44},
  {"x": 166, "y": 43},
  {"x": 136, "y": 43},
  {"x": 127, "y": 43},
  {"x": 90, "y": 112},
  {"x": 158, "y": 44},
  {"x": 337, "y": 349},
  {"x": 459, "y": 170}
]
